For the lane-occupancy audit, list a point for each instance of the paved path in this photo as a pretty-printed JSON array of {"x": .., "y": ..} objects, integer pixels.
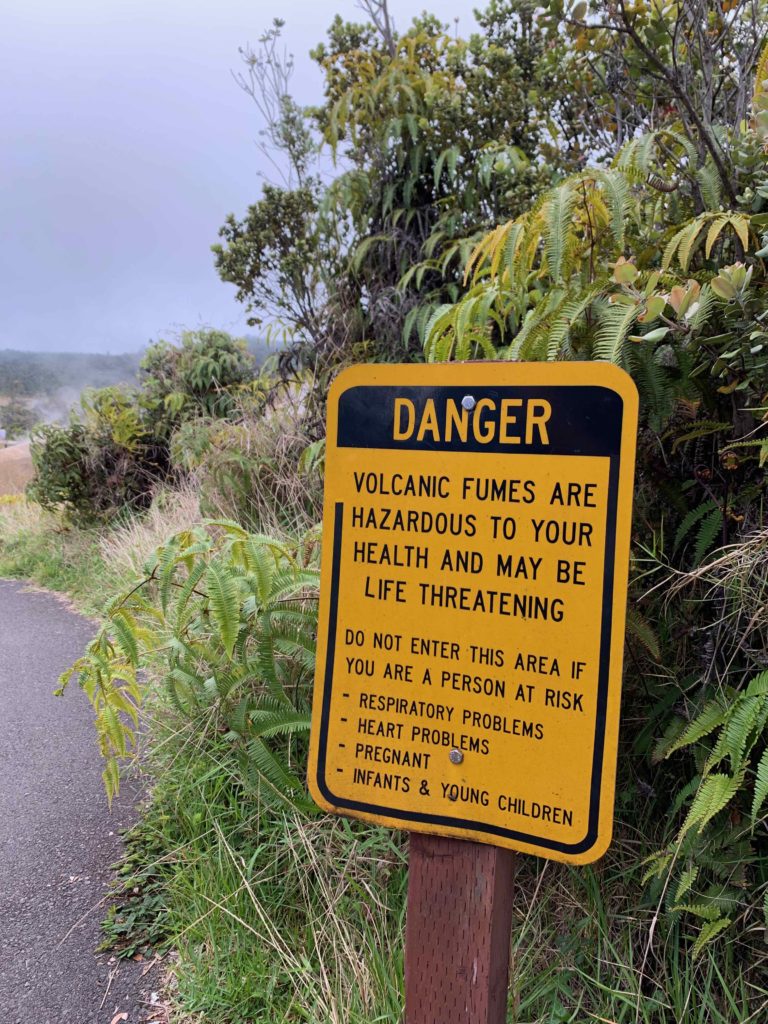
[{"x": 57, "y": 835}]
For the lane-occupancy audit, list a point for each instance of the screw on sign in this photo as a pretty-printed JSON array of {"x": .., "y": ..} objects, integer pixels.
[{"x": 472, "y": 606}]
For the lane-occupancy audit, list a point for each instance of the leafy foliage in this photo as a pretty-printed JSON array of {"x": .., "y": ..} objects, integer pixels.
[
  {"x": 435, "y": 138},
  {"x": 653, "y": 262},
  {"x": 95, "y": 469},
  {"x": 572, "y": 182},
  {"x": 16, "y": 418},
  {"x": 230, "y": 617},
  {"x": 729, "y": 734},
  {"x": 200, "y": 376},
  {"x": 110, "y": 458}
]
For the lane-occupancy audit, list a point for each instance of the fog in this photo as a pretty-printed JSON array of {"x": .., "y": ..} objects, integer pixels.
[{"x": 126, "y": 143}]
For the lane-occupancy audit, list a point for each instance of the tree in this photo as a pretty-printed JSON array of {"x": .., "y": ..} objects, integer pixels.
[
  {"x": 116, "y": 449},
  {"x": 436, "y": 138},
  {"x": 16, "y": 418},
  {"x": 201, "y": 376}
]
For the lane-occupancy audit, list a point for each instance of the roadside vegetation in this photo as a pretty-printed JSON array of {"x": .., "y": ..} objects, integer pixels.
[{"x": 575, "y": 182}]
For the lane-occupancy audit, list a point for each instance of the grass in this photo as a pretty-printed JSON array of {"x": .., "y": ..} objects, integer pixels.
[
  {"x": 89, "y": 565},
  {"x": 280, "y": 918},
  {"x": 41, "y": 548},
  {"x": 275, "y": 917},
  {"x": 579, "y": 955}
]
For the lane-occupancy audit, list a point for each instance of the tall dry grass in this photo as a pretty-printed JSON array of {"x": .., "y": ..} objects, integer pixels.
[
  {"x": 15, "y": 468},
  {"x": 126, "y": 548},
  {"x": 254, "y": 470}
]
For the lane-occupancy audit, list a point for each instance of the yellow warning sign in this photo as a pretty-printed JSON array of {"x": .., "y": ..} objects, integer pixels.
[{"x": 473, "y": 591}]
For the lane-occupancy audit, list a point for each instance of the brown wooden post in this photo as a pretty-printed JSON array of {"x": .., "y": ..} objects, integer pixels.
[{"x": 457, "y": 931}]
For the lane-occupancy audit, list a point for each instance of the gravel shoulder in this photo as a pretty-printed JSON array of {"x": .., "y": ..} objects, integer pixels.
[{"x": 58, "y": 836}]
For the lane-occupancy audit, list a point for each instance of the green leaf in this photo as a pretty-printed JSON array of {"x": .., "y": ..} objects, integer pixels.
[
  {"x": 223, "y": 592},
  {"x": 708, "y": 531},
  {"x": 626, "y": 273},
  {"x": 126, "y": 639},
  {"x": 758, "y": 687},
  {"x": 708, "y": 932},
  {"x": 690, "y": 521},
  {"x": 687, "y": 879},
  {"x": 723, "y": 288},
  {"x": 653, "y": 336},
  {"x": 705, "y": 911},
  {"x": 761, "y": 786},
  {"x": 559, "y": 230},
  {"x": 715, "y": 793},
  {"x": 711, "y": 718},
  {"x": 614, "y": 324}
]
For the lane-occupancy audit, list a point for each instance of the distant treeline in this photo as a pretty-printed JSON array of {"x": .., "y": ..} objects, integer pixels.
[
  {"x": 33, "y": 374},
  {"x": 39, "y": 374}
]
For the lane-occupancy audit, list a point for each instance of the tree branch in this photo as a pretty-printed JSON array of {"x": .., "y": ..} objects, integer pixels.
[{"x": 682, "y": 97}]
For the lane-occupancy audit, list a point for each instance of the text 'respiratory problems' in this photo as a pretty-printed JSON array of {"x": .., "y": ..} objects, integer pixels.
[{"x": 474, "y": 574}]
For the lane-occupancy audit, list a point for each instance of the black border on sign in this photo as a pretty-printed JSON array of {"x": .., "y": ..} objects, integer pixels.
[{"x": 588, "y": 841}]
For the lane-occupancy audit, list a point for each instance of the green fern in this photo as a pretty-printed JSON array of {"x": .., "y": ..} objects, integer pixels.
[
  {"x": 708, "y": 933},
  {"x": 224, "y": 604},
  {"x": 712, "y": 717},
  {"x": 715, "y": 793},
  {"x": 709, "y": 528},
  {"x": 730, "y": 729},
  {"x": 639, "y": 628},
  {"x": 559, "y": 240},
  {"x": 229, "y": 620},
  {"x": 655, "y": 387},
  {"x": 687, "y": 880},
  {"x": 691, "y": 519},
  {"x": 761, "y": 786},
  {"x": 615, "y": 322}
]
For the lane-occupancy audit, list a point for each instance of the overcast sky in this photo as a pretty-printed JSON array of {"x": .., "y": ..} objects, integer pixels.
[{"x": 125, "y": 142}]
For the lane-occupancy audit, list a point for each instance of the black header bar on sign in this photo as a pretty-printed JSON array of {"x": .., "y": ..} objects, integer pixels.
[{"x": 572, "y": 420}]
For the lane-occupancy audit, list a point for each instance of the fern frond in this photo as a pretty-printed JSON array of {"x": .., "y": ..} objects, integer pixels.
[
  {"x": 733, "y": 739},
  {"x": 225, "y": 604},
  {"x": 710, "y": 185},
  {"x": 619, "y": 200},
  {"x": 691, "y": 236},
  {"x": 709, "y": 932},
  {"x": 687, "y": 880},
  {"x": 702, "y": 311},
  {"x": 126, "y": 638},
  {"x": 559, "y": 236},
  {"x": 702, "y": 428},
  {"x": 690, "y": 521},
  {"x": 567, "y": 315},
  {"x": 260, "y": 764},
  {"x": 710, "y": 718},
  {"x": 761, "y": 786},
  {"x": 641, "y": 630},
  {"x": 715, "y": 793},
  {"x": 614, "y": 325},
  {"x": 284, "y": 722},
  {"x": 709, "y": 528},
  {"x": 705, "y": 911},
  {"x": 657, "y": 391}
]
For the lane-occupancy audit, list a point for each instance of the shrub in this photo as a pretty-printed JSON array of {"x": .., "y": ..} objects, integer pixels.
[
  {"x": 97, "y": 468},
  {"x": 114, "y": 453},
  {"x": 200, "y": 377},
  {"x": 256, "y": 469},
  {"x": 16, "y": 418},
  {"x": 230, "y": 619}
]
